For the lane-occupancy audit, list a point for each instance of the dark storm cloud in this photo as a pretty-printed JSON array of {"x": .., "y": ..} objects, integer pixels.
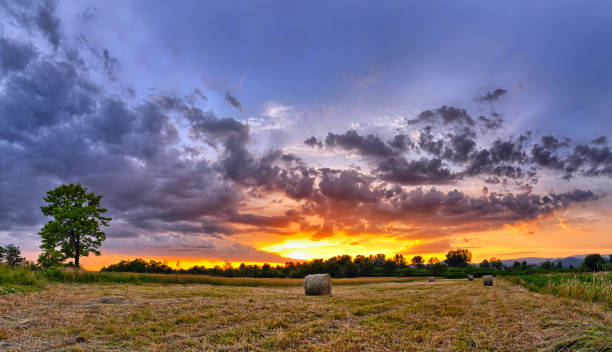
[
  {"x": 544, "y": 157},
  {"x": 387, "y": 161},
  {"x": 459, "y": 148},
  {"x": 444, "y": 114},
  {"x": 550, "y": 143},
  {"x": 492, "y": 95},
  {"x": 600, "y": 140},
  {"x": 15, "y": 56},
  {"x": 589, "y": 161},
  {"x": 111, "y": 65},
  {"x": 233, "y": 101},
  {"x": 369, "y": 145},
  {"x": 48, "y": 23},
  {"x": 401, "y": 142},
  {"x": 492, "y": 123},
  {"x": 415, "y": 172},
  {"x": 313, "y": 141},
  {"x": 428, "y": 143},
  {"x": 59, "y": 126},
  {"x": 42, "y": 96},
  {"x": 455, "y": 153},
  {"x": 272, "y": 171},
  {"x": 39, "y": 15},
  {"x": 356, "y": 203}
]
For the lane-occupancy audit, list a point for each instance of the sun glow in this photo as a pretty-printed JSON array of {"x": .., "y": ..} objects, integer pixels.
[
  {"x": 301, "y": 249},
  {"x": 307, "y": 249}
]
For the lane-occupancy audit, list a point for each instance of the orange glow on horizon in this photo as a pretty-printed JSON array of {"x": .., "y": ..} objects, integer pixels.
[
  {"x": 304, "y": 248},
  {"x": 550, "y": 237}
]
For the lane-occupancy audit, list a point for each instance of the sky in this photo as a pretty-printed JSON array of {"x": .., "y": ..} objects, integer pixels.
[{"x": 274, "y": 131}]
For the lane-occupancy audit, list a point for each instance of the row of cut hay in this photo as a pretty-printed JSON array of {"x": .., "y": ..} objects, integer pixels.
[{"x": 590, "y": 287}]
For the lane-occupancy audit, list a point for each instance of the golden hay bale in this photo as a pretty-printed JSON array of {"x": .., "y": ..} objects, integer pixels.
[
  {"x": 471, "y": 277},
  {"x": 432, "y": 279},
  {"x": 487, "y": 280},
  {"x": 317, "y": 284}
]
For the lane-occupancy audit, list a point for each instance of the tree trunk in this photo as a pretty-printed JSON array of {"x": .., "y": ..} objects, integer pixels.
[{"x": 76, "y": 252}]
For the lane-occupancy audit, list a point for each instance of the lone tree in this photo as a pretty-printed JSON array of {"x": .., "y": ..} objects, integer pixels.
[
  {"x": 459, "y": 257},
  {"x": 594, "y": 262},
  {"x": 75, "y": 229}
]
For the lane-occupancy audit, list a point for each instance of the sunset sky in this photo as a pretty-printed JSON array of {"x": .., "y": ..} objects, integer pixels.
[{"x": 269, "y": 131}]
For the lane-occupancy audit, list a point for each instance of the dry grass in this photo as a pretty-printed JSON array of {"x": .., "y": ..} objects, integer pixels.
[{"x": 448, "y": 315}]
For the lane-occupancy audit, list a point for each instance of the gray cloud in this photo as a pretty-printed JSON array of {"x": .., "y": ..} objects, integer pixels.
[
  {"x": 492, "y": 95},
  {"x": 14, "y": 55},
  {"x": 39, "y": 15},
  {"x": 233, "y": 101},
  {"x": 444, "y": 114},
  {"x": 369, "y": 145}
]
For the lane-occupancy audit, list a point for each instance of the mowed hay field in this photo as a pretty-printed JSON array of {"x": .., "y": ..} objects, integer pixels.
[{"x": 447, "y": 315}]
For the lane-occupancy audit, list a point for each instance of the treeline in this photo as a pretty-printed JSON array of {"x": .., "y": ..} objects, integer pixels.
[{"x": 455, "y": 266}]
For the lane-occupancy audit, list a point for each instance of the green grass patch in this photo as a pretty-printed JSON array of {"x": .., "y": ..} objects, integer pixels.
[
  {"x": 592, "y": 287},
  {"x": 587, "y": 341}
]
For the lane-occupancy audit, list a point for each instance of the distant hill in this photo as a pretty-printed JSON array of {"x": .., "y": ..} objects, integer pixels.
[{"x": 575, "y": 260}]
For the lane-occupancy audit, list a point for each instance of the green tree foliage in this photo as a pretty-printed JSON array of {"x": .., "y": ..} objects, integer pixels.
[
  {"x": 75, "y": 229},
  {"x": 400, "y": 260},
  {"x": 418, "y": 261},
  {"x": 389, "y": 267},
  {"x": 496, "y": 263},
  {"x": 11, "y": 255},
  {"x": 140, "y": 266},
  {"x": 438, "y": 269},
  {"x": 593, "y": 262},
  {"x": 458, "y": 257},
  {"x": 547, "y": 265},
  {"x": 50, "y": 257}
]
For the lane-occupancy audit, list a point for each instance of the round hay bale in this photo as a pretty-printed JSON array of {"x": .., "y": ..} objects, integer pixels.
[
  {"x": 432, "y": 279},
  {"x": 487, "y": 280},
  {"x": 317, "y": 284},
  {"x": 471, "y": 277}
]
